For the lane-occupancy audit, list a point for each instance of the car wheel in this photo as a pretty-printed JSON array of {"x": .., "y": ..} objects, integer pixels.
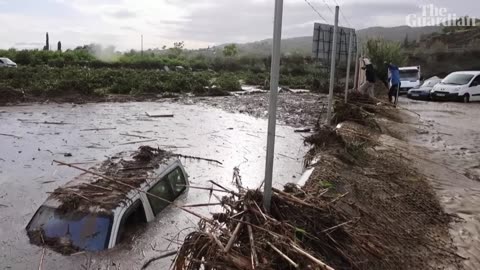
[{"x": 466, "y": 98}]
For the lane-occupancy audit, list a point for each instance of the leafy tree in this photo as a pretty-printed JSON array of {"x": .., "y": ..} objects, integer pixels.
[
  {"x": 230, "y": 50},
  {"x": 380, "y": 51},
  {"x": 177, "y": 48},
  {"x": 462, "y": 23},
  {"x": 47, "y": 43}
]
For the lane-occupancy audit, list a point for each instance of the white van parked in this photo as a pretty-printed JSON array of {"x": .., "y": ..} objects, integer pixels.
[
  {"x": 410, "y": 77},
  {"x": 462, "y": 86}
]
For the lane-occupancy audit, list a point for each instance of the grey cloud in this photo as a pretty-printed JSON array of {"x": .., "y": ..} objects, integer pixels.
[
  {"x": 122, "y": 14},
  {"x": 128, "y": 28},
  {"x": 239, "y": 21}
]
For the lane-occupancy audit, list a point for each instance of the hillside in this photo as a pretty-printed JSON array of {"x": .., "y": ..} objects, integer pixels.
[
  {"x": 398, "y": 33},
  {"x": 440, "y": 54},
  {"x": 303, "y": 45}
]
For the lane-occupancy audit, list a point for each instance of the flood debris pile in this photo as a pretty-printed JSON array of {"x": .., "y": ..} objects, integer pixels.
[
  {"x": 363, "y": 207},
  {"x": 347, "y": 141},
  {"x": 108, "y": 185},
  {"x": 364, "y": 110},
  {"x": 294, "y": 109},
  {"x": 244, "y": 236}
]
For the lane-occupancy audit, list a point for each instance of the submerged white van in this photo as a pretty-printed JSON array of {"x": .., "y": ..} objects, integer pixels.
[
  {"x": 92, "y": 213},
  {"x": 459, "y": 86}
]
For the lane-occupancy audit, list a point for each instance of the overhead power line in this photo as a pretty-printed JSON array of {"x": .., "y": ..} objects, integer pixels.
[
  {"x": 329, "y": 8},
  {"x": 316, "y": 11}
]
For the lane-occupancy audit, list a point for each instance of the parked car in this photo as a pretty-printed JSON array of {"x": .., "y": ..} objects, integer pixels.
[
  {"x": 93, "y": 214},
  {"x": 5, "y": 62},
  {"x": 459, "y": 86},
  {"x": 423, "y": 92}
]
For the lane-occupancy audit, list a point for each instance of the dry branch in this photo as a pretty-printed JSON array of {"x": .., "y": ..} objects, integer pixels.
[
  {"x": 290, "y": 261},
  {"x": 315, "y": 260},
  {"x": 198, "y": 158},
  {"x": 168, "y": 254},
  {"x": 9, "y": 135},
  {"x": 127, "y": 143}
]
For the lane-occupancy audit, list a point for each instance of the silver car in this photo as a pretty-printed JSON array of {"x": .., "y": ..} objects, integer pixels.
[{"x": 5, "y": 62}]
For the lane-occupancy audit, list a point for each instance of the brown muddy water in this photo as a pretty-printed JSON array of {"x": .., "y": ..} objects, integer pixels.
[
  {"x": 92, "y": 132},
  {"x": 445, "y": 145}
]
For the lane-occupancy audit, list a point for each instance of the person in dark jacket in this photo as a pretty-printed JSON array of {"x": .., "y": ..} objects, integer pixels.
[
  {"x": 368, "y": 87},
  {"x": 394, "y": 80}
]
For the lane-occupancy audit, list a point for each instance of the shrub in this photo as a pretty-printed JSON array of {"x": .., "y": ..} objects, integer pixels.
[
  {"x": 379, "y": 51},
  {"x": 228, "y": 82}
]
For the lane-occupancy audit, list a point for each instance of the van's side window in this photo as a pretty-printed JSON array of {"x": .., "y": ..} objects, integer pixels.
[
  {"x": 177, "y": 180},
  {"x": 476, "y": 81},
  {"x": 168, "y": 188},
  {"x": 163, "y": 190}
]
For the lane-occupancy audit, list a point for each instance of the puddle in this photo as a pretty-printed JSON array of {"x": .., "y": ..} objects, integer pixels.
[{"x": 87, "y": 134}]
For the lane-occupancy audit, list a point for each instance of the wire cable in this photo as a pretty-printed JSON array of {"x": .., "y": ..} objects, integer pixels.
[
  {"x": 331, "y": 10},
  {"x": 314, "y": 9}
]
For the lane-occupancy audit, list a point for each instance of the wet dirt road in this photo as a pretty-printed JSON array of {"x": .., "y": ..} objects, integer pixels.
[
  {"x": 91, "y": 132},
  {"x": 449, "y": 136}
]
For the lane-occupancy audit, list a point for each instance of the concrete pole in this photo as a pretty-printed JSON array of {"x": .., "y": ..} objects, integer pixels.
[
  {"x": 349, "y": 62},
  {"x": 272, "y": 110},
  {"x": 142, "y": 45},
  {"x": 355, "y": 80},
  {"x": 332, "y": 68}
]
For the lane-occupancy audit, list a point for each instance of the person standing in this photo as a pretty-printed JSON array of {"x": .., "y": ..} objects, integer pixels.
[
  {"x": 394, "y": 79},
  {"x": 368, "y": 87}
]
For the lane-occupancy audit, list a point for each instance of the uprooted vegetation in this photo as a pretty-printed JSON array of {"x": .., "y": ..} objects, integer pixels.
[{"x": 363, "y": 207}]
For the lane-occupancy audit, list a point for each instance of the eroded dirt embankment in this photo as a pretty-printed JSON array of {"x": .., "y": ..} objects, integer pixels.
[{"x": 399, "y": 214}]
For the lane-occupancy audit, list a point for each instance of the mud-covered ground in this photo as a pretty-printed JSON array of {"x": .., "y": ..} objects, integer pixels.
[
  {"x": 444, "y": 142},
  {"x": 33, "y": 135}
]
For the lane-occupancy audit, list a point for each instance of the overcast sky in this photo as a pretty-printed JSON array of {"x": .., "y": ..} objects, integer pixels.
[{"x": 200, "y": 23}]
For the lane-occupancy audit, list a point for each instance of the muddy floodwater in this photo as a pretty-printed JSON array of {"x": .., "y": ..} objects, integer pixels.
[
  {"x": 449, "y": 134},
  {"x": 35, "y": 135}
]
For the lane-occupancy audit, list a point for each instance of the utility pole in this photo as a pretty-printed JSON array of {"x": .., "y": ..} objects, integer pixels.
[
  {"x": 272, "y": 110},
  {"x": 360, "y": 61},
  {"x": 332, "y": 67},
  {"x": 357, "y": 64},
  {"x": 142, "y": 45},
  {"x": 349, "y": 61}
]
